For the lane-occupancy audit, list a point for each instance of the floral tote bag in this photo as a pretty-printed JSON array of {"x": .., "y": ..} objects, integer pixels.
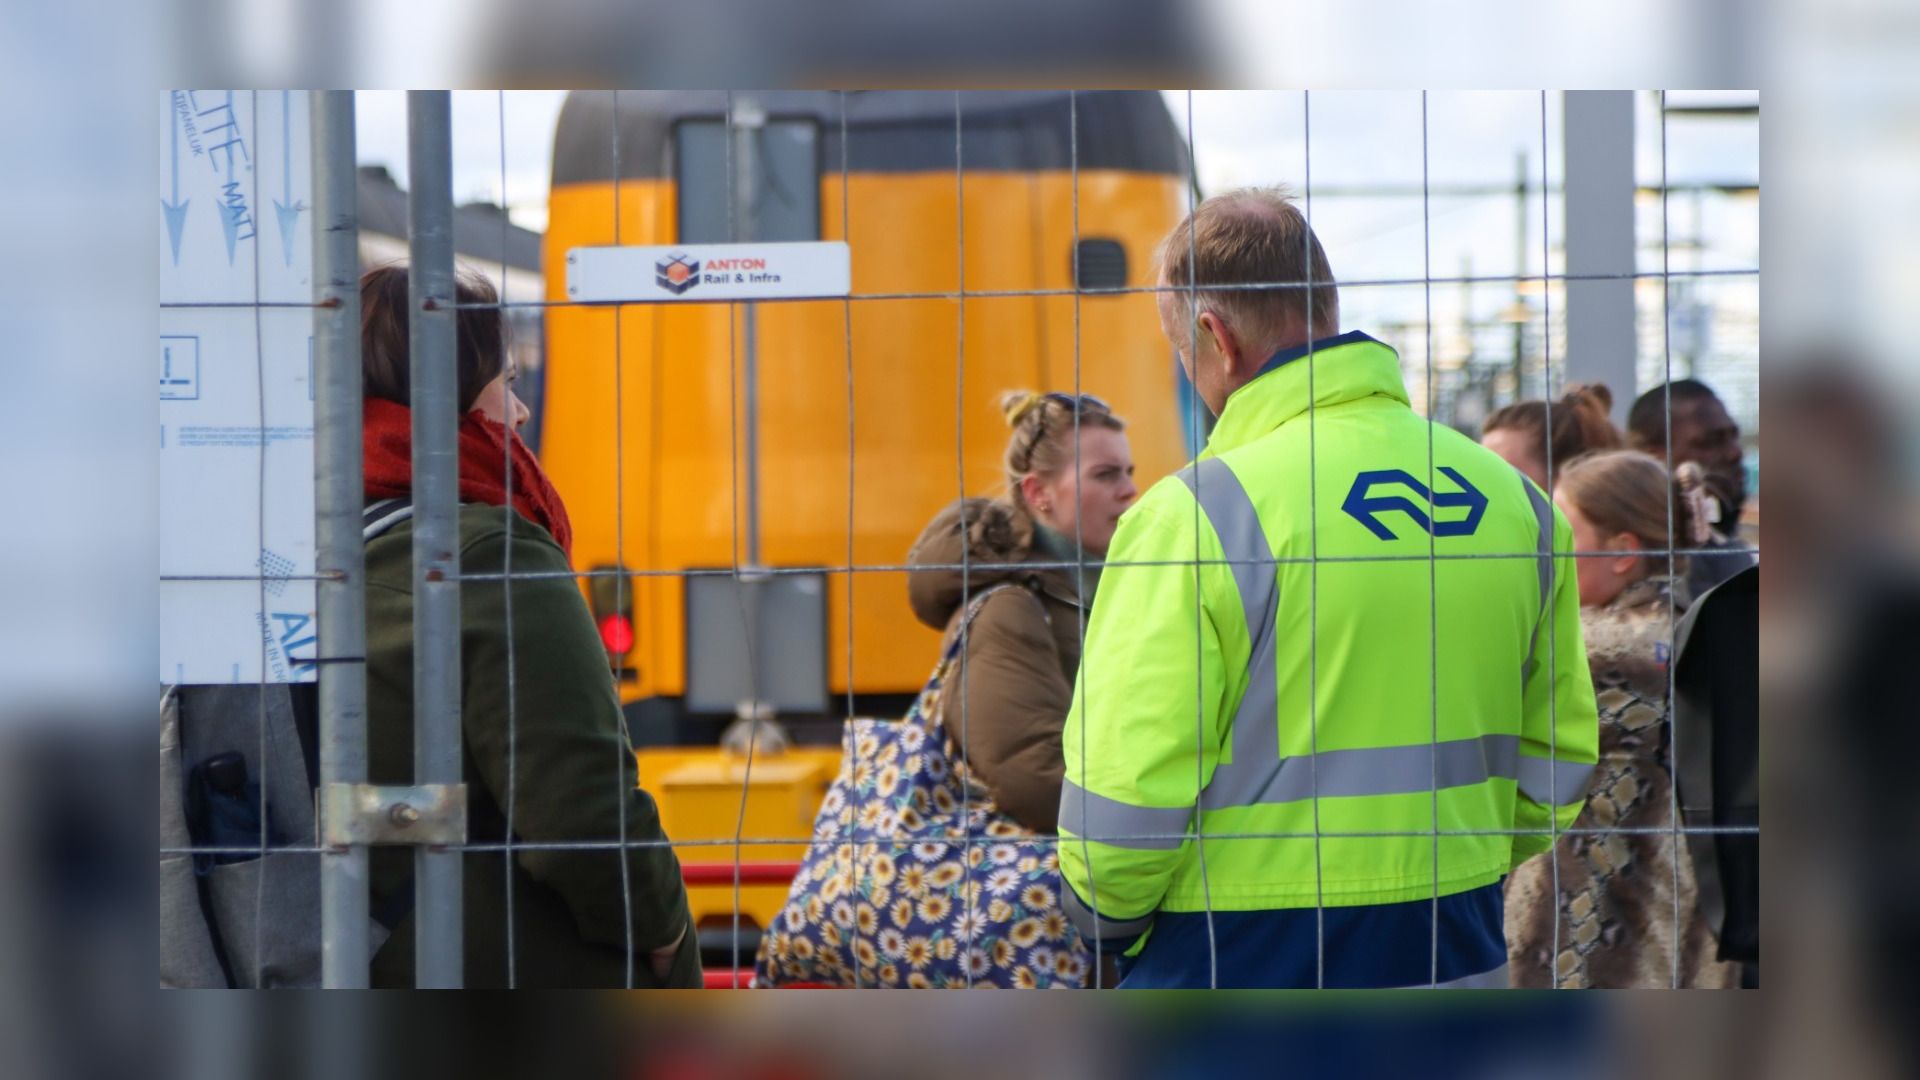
[{"x": 915, "y": 879}]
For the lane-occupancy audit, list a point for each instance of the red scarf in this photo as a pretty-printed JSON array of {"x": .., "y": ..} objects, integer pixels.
[{"x": 387, "y": 456}]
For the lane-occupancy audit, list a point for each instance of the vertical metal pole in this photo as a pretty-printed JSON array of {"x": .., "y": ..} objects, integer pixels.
[
  {"x": 338, "y": 557},
  {"x": 748, "y": 119},
  {"x": 436, "y": 550},
  {"x": 1520, "y": 271},
  {"x": 1602, "y": 344}
]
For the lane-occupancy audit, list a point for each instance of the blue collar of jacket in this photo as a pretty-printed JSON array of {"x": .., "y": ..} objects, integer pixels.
[{"x": 1344, "y": 368}]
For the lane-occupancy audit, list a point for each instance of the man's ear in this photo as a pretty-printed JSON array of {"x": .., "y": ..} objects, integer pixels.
[{"x": 1225, "y": 342}]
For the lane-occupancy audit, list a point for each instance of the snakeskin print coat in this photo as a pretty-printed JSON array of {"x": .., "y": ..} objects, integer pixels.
[{"x": 1624, "y": 895}]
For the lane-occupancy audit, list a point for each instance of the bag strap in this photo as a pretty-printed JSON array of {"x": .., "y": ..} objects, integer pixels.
[
  {"x": 972, "y": 611},
  {"x": 974, "y": 608}
]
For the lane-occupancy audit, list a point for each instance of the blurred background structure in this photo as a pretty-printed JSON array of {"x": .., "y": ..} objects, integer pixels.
[
  {"x": 1842, "y": 158},
  {"x": 744, "y": 480}
]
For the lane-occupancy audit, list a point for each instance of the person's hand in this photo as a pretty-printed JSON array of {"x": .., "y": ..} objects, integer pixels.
[{"x": 660, "y": 960}]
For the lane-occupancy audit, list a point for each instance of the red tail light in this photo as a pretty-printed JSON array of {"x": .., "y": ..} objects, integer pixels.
[
  {"x": 616, "y": 633},
  {"x": 610, "y": 594}
]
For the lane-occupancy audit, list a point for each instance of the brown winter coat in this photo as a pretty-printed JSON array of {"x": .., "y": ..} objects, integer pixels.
[{"x": 1023, "y": 650}]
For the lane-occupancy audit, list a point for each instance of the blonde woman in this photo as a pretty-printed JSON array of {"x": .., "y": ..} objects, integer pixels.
[
  {"x": 1625, "y": 908},
  {"x": 1064, "y": 497}
]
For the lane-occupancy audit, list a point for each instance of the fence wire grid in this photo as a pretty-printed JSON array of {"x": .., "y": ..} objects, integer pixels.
[{"x": 746, "y": 564}]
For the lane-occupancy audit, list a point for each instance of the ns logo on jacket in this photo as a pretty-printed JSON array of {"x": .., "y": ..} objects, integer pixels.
[{"x": 1366, "y": 508}]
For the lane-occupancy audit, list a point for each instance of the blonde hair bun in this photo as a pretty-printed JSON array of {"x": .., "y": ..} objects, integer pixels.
[{"x": 1015, "y": 405}]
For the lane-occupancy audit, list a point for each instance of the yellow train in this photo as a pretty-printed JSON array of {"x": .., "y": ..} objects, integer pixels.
[
  {"x": 645, "y": 406},
  {"x": 689, "y": 439}
]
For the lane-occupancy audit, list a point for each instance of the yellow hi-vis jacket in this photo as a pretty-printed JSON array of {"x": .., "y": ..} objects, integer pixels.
[{"x": 1336, "y": 661}]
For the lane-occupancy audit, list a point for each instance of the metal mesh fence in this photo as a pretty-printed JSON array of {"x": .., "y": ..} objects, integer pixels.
[{"x": 1443, "y": 390}]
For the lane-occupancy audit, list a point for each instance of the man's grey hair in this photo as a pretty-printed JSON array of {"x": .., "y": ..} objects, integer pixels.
[{"x": 1254, "y": 237}]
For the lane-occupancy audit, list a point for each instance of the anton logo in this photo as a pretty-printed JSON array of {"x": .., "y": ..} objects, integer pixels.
[
  {"x": 676, "y": 273},
  {"x": 1365, "y": 507}
]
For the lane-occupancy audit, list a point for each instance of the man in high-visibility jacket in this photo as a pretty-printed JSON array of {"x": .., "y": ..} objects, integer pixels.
[{"x": 1334, "y": 687}]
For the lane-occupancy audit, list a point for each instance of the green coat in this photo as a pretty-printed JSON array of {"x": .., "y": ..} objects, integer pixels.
[{"x": 574, "y": 773}]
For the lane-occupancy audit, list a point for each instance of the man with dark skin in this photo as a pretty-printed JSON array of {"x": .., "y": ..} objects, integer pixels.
[{"x": 1702, "y": 432}]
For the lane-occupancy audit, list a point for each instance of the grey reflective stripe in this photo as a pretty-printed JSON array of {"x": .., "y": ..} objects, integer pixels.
[
  {"x": 1551, "y": 782},
  {"x": 1543, "y": 516},
  {"x": 1256, "y": 722},
  {"x": 1379, "y": 770},
  {"x": 1497, "y": 979},
  {"x": 1122, "y": 825},
  {"x": 1230, "y": 511},
  {"x": 1093, "y": 925},
  {"x": 1256, "y": 736},
  {"x": 1257, "y": 774}
]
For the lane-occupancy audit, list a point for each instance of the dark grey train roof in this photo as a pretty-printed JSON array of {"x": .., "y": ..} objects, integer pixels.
[
  {"x": 477, "y": 233},
  {"x": 887, "y": 130}
]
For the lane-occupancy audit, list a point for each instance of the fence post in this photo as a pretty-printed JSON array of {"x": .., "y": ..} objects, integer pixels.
[
  {"x": 1602, "y": 344},
  {"x": 436, "y": 552},
  {"x": 338, "y": 556}
]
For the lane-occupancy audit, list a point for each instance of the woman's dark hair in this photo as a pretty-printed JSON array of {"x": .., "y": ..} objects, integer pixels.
[
  {"x": 480, "y": 352},
  {"x": 1580, "y": 425}
]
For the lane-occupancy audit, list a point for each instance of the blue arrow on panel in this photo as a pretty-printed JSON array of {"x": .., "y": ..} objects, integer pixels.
[
  {"x": 233, "y": 203},
  {"x": 287, "y": 211},
  {"x": 175, "y": 211}
]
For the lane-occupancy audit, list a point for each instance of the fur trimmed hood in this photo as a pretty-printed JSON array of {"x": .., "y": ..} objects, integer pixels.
[{"x": 991, "y": 532}]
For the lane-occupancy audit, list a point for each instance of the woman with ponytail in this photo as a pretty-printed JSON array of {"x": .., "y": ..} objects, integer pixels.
[
  {"x": 1069, "y": 477},
  {"x": 1622, "y": 874},
  {"x": 936, "y": 859},
  {"x": 977, "y": 757},
  {"x": 544, "y": 748},
  {"x": 1529, "y": 435}
]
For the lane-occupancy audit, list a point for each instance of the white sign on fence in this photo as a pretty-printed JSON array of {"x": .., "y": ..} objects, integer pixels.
[
  {"x": 697, "y": 272},
  {"x": 236, "y": 388}
]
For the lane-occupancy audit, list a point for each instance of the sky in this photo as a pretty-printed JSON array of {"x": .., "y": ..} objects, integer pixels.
[
  {"x": 1243, "y": 137},
  {"x": 1398, "y": 140}
]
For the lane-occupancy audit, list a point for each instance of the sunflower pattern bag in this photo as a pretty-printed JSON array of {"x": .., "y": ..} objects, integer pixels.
[{"x": 915, "y": 879}]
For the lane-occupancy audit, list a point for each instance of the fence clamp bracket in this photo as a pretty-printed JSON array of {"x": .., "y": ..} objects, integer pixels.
[{"x": 434, "y": 815}]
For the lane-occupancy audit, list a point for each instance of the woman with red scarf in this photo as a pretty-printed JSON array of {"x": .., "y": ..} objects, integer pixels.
[{"x": 555, "y": 767}]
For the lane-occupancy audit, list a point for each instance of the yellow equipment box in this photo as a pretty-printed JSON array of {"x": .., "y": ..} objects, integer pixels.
[{"x": 699, "y": 792}]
